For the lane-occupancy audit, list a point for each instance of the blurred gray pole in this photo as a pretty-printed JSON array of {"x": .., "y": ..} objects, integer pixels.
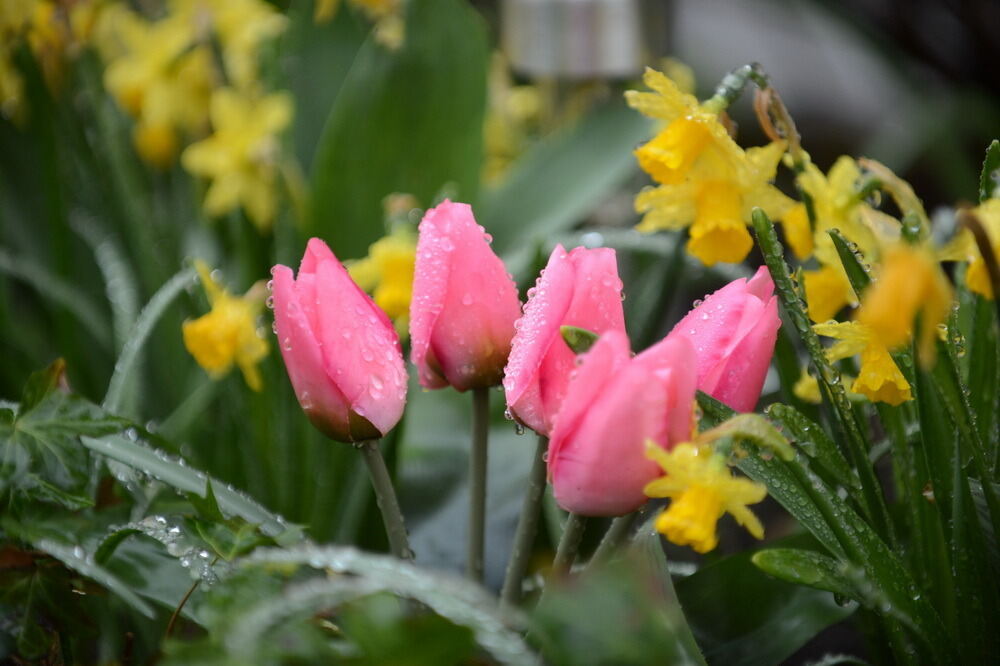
[{"x": 583, "y": 39}]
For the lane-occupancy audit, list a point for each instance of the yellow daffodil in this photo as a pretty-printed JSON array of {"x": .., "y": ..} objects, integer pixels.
[
  {"x": 879, "y": 379},
  {"x": 227, "y": 335},
  {"x": 387, "y": 274},
  {"x": 717, "y": 202},
  {"x": 241, "y": 156},
  {"x": 827, "y": 292},
  {"x": 691, "y": 131},
  {"x": 910, "y": 283},
  {"x": 702, "y": 489}
]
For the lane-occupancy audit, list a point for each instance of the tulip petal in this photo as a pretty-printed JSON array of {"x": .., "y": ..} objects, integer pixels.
[
  {"x": 597, "y": 366},
  {"x": 320, "y": 398},
  {"x": 602, "y": 469},
  {"x": 464, "y": 302},
  {"x": 361, "y": 350},
  {"x": 580, "y": 288},
  {"x": 673, "y": 359},
  {"x": 741, "y": 377}
]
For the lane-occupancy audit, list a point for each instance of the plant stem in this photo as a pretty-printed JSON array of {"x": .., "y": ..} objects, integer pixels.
[
  {"x": 527, "y": 526},
  {"x": 385, "y": 497},
  {"x": 568, "y": 544},
  {"x": 613, "y": 538},
  {"x": 477, "y": 482}
]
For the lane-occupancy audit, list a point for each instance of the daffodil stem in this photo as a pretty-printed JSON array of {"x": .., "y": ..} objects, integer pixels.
[
  {"x": 527, "y": 526},
  {"x": 477, "y": 482},
  {"x": 568, "y": 544},
  {"x": 385, "y": 496},
  {"x": 613, "y": 538}
]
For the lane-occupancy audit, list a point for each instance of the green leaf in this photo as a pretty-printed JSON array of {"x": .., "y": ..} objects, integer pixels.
[
  {"x": 563, "y": 178},
  {"x": 578, "y": 339},
  {"x": 65, "y": 294},
  {"x": 989, "y": 179},
  {"x": 128, "y": 360},
  {"x": 455, "y": 599},
  {"x": 206, "y": 505},
  {"x": 984, "y": 367},
  {"x": 639, "y": 622},
  {"x": 754, "y": 428},
  {"x": 316, "y": 58},
  {"x": 412, "y": 118},
  {"x": 76, "y": 559},
  {"x": 804, "y": 567},
  {"x": 186, "y": 479},
  {"x": 853, "y": 435},
  {"x": 782, "y": 618},
  {"x": 40, "y": 452},
  {"x": 813, "y": 440},
  {"x": 856, "y": 272}
]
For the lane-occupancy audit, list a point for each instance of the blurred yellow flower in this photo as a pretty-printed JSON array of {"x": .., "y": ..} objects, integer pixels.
[
  {"x": 228, "y": 333},
  {"x": 241, "y": 156},
  {"x": 387, "y": 274},
  {"x": 387, "y": 14},
  {"x": 798, "y": 231},
  {"x": 702, "y": 489},
  {"x": 827, "y": 291},
  {"x": 879, "y": 378},
  {"x": 806, "y": 388},
  {"x": 910, "y": 283}
]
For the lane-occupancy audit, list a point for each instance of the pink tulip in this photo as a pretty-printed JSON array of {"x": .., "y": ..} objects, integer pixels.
[
  {"x": 580, "y": 288},
  {"x": 464, "y": 303},
  {"x": 733, "y": 333},
  {"x": 341, "y": 351},
  {"x": 614, "y": 405}
]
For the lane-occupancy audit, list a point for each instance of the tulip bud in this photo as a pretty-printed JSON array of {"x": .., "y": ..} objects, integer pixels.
[
  {"x": 614, "y": 405},
  {"x": 341, "y": 351},
  {"x": 581, "y": 289},
  {"x": 464, "y": 303},
  {"x": 733, "y": 333}
]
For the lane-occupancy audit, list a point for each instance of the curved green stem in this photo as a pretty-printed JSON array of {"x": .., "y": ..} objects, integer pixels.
[
  {"x": 527, "y": 526},
  {"x": 477, "y": 482},
  {"x": 385, "y": 496}
]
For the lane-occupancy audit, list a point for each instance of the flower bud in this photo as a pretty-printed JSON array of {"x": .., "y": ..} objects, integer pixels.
[
  {"x": 464, "y": 303},
  {"x": 580, "y": 288},
  {"x": 733, "y": 333},
  {"x": 341, "y": 351},
  {"x": 613, "y": 406}
]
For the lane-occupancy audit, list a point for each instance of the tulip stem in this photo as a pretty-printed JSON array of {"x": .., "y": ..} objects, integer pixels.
[
  {"x": 385, "y": 496},
  {"x": 527, "y": 526},
  {"x": 477, "y": 482},
  {"x": 613, "y": 538},
  {"x": 568, "y": 544}
]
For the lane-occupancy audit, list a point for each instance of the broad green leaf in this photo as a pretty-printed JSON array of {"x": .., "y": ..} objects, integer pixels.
[
  {"x": 561, "y": 179},
  {"x": 455, "y": 599},
  {"x": 206, "y": 505},
  {"x": 186, "y": 479},
  {"x": 403, "y": 121},
  {"x": 639, "y": 621},
  {"x": 316, "y": 58},
  {"x": 733, "y": 630},
  {"x": 989, "y": 180},
  {"x": 77, "y": 559},
  {"x": 40, "y": 451}
]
